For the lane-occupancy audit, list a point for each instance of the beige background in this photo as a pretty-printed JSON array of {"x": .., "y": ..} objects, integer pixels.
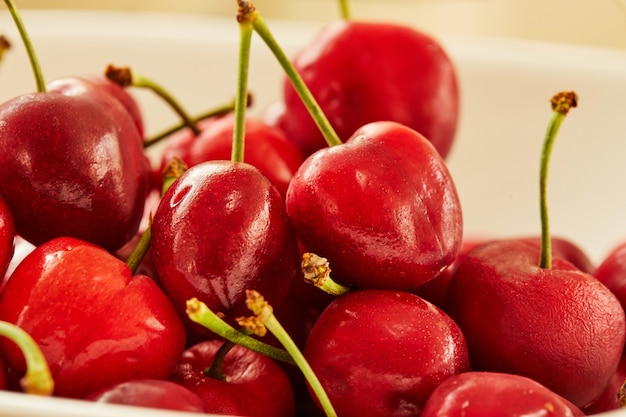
[{"x": 589, "y": 22}]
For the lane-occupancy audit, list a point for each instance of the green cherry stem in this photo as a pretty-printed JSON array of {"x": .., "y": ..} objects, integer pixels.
[
  {"x": 561, "y": 104},
  {"x": 200, "y": 313},
  {"x": 245, "y": 40},
  {"x": 344, "y": 9},
  {"x": 125, "y": 77},
  {"x": 28, "y": 44},
  {"x": 263, "y": 319},
  {"x": 38, "y": 379},
  {"x": 260, "y": 27},
  {"x": 215, "y": 112}
]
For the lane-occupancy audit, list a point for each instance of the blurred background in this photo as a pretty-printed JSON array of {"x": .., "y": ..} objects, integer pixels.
[{"x": 587, "y": 22}]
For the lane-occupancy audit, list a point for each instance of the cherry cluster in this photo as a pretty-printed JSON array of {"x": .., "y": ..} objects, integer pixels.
[{"x": 309, "y": 261}]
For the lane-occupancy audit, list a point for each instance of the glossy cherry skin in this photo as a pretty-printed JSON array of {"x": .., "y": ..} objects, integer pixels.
[
  {"x": 109, "y": 87},
  {"x": 381, "y": 207},
  {"x": 154, "y": 393},
  {"x": 435, "y": 289},
  {"x": 382, "y": 352},
  {"x": 266, "y": 147},
  {"x": 255, "y": 385},
  {"x": 221, "y": 229},
  {"x": 491, "y": 394},
  {"x": 7, "y": 238},
  {"x": 361, "y": 72},
  {"x": 76, "y": 167},
  {"x": 560, "y": 326},
  {"x": 95, "y": 323}
]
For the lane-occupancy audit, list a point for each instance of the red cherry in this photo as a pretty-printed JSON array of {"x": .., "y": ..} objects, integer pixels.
[
  {"x": 559, "y": 326},
  {"x": 95, "y": 323},
  {"x": 220, "y": 229},
  {"x": 80, "y": 170},
  {"x": 361, "y": 72},
  {"x": 155, "y": 393},
  {"x": 490, "y": 394},
  {"x": 381, "y": 207},
  {"x": 382, "y": 352},
  {"x": 254, "y": 385}
]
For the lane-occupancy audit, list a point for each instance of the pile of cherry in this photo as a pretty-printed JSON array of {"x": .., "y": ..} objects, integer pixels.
[{"x": 104, "y": 252}]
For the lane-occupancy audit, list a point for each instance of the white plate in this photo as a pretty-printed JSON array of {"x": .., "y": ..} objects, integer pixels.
[{"x": 506, "y": 86}]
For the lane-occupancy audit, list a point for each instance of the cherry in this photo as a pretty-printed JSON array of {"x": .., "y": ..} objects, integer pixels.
[
  {"x": 382, "y": 208},
  {"x": 222, "y": 228},
  {"x": 251, "y": 384},
  {"x": 382, "y": 352},
  {"x": 80, "y": 170},
  {"x": 95, "y": 323},
  {"x": 527, "y": 313},
  {"x": 362, "y": 72},
  {"x": 154, "y": 393},
  {"x": 491, "y": 394}
]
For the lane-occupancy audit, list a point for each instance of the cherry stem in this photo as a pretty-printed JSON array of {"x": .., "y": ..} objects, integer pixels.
[
  {"x": 38, "y": 379},
  {"x": 561, "y": 104},
  {"x": 28, "y": 44},
  {"x": 200, "y": 313},
  {"x": 216, "y": 112},
  {"x": 344, "y": 8},
  {"x": 125, "y": 77},
  {"x": 316, "y": 271},
  {"x": 216, "y": 370},
  {"x": 245, "y": 40},
  {"x": 264, "y": 318},
  {"x": 248, "y": 12},
  {"x": 174, "y": 169}
]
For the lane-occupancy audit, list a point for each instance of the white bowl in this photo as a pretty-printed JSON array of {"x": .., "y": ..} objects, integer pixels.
[{"x": 506, "y": 86}]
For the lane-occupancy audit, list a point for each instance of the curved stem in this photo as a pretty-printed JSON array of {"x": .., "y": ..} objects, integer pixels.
[
  {"x": 125, "y": 77},
  {"x": 38, "y": 379},
  {"x": 303, "y": 91},
  {"x": 32, "y": 56},
  {"x": 216, "y": 369},
  {"x": 200, "y": 313},
  {"x": 216, "y": 112},
  {"x": 246, "y": 30},
  {"x": 561, "y": 104},
  {"x": 264, "y": 316}
]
